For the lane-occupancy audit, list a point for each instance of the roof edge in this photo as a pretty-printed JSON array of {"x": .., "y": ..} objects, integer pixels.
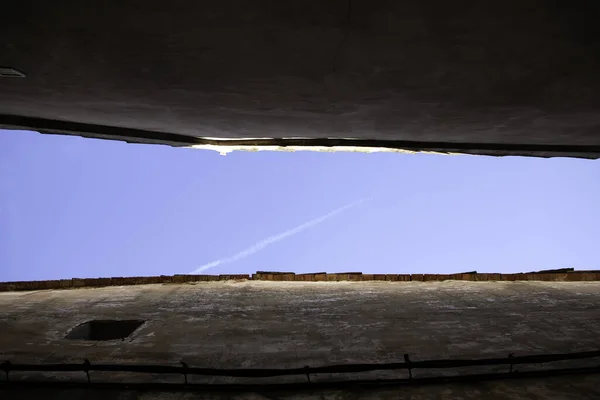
[
  {"x": 74, "y": 283},
  {"x": 130, "y": 135}
]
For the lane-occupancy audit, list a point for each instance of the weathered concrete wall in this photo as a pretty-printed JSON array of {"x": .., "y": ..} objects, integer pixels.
[
  {"x": 500, "y": 77},
  {"x": 258, "y": 324}
]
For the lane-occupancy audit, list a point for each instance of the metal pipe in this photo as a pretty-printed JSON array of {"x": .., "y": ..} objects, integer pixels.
[
  {"x": 300, "y": 386},
  {"x": 271, "y": 372}
]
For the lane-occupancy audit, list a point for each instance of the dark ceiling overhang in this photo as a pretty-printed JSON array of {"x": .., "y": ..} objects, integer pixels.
[{"x": 496, "y": 78}]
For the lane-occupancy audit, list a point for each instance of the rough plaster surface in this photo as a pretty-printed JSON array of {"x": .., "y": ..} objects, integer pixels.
[
  {"x": 259, "y": 324},
  {"x": 499, "y": 72}
]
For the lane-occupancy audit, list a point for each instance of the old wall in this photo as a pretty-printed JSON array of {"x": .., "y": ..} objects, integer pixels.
[
  {"x": 500, "y": 77},
  {"x": 258, "y": 324}
]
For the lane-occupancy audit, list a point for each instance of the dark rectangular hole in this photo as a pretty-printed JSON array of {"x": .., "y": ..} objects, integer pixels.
[{"x": 104, "y": 329}]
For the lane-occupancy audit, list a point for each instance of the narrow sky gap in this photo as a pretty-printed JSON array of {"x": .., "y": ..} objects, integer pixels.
[
  {"x": 75, "y": 207},
  {"x": 258, "y": 246}
]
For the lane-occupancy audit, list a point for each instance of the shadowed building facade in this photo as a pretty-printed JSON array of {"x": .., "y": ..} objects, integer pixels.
[
  {"x": 281, "y": 325},
  {"x": 500, "y": 77}
]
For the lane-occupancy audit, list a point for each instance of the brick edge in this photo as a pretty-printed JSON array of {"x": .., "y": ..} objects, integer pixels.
[{"x": 575, "y": 276}]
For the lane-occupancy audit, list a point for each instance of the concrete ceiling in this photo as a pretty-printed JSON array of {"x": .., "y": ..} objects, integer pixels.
[{"x": 494, "y": 77}]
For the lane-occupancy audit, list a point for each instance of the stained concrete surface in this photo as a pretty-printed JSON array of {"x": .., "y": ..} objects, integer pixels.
[
  {"x": 495, "y": 77},
  {"x": 257, "y": 324}
]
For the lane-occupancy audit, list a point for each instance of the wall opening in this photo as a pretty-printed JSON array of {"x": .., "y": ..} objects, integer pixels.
[{"x": 104, "y": 330}]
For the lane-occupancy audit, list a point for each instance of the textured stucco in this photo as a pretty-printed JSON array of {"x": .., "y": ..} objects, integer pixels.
[
  {"x": 495, "y": 77},
  {"x": 260, "y": 324}
]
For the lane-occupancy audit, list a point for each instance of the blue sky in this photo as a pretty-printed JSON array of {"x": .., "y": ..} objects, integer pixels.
[{"x": 74, "y": 207}]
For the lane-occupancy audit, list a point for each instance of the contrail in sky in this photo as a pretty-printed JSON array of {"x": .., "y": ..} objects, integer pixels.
[{"x": 255, "y": 248}]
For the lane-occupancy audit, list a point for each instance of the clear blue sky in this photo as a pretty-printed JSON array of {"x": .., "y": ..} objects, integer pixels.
[{"x": 74, "y": 207}]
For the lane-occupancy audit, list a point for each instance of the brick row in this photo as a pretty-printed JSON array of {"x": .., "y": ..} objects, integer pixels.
[{"x": 574, "y": 276}]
